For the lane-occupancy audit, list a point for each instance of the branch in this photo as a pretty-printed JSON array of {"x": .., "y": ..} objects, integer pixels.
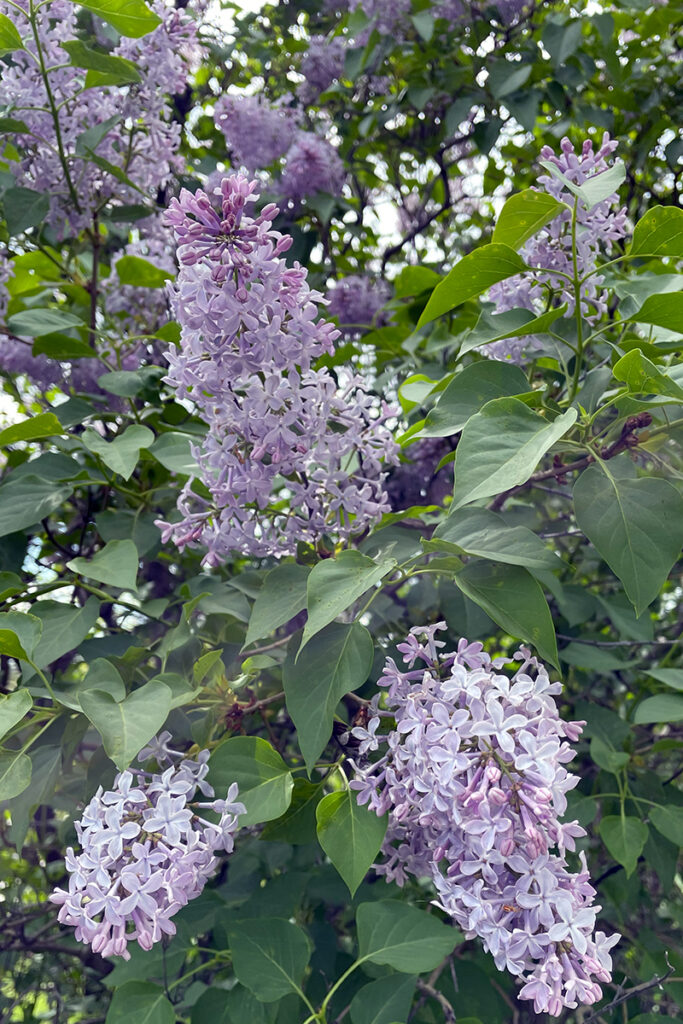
[
  {"x": 628, "y": 993},
  {"x": 433, "y": 993}
]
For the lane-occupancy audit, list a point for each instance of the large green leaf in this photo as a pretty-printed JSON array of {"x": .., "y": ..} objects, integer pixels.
[
  {"x": 477, "y": 531},
  {"x": 669, "y": 821},
  {"x": 140, "y": 273},
  {"x": 659, "y": 233},
  {"x": 383, "y": 1001},
  {"x": 334, "y": 584},
  {"x": 101, "y": 675},
  {"x": 635, "y": 524},
  {"x": 470, "y": 277},
  {"x": 34, "y": 322},
  {"x": 264, "y": 780},
  {"x": 672, "y": 677},
  {"x": 108, "y": 69},
  {"x": 126, "y": 726},
  {"x": 514, "y": 323},
  {"x": 410, "y": 940},
  {"x": 469, "y": 390},
  {"x": 269, "y": 956},
  {"x": 24, "y": 209},
  {"x": 643, "y": 377},
  {"x": 501, "y": 446},
  {"x": 26, "y": 628},
  {"x": 664, "y": 707},
  {"x": 172, "y": 450},
  {"x": 514, "y": 600},
  {"x": 298, "y": 824},
  {"x": 236, "y": 1006},
  {"x": 337, "y": 661},
  {"x": 15, "y": 773},
  {"x": 624, "y": 838},
  {"x": 26, "y": 499},
  {"x": 282, "y": 596},
  {"x": 131, "y": 18},
  {"x": 350, "y": 835},
  {"x": 122, "y": 454},
  {"x": 9, "y": 37},
  {"x": 662, "y": 311},
  {"x": 45, "y": 424},
  {"x": 523, "y": 215},
  {"x": 116, "y": 565},
  {"x": 142, "y": 1002},
  {"x": 65, "y": 626},
  {"x": 13, "y": 707}
]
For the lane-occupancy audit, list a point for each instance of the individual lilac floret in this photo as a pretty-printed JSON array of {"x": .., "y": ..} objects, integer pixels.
[
  {"x": 322, "y": 63},
  {"x": 356, "y": 302},
  {"x": 145, "y": 852},
  {"x": 598, "y": 230},
  {"x": 290, "y": 453},
  {"x": 474, "y": 783}
]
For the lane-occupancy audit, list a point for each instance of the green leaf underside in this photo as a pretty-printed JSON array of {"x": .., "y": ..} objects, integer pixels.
[
  {"x": 282, "y": 596},
  {"x": 334, "y": 584},
  {"x": 403, "y": 937},
  {"x": 350, "y": 835},
  {"x": 478, "y": 531},
  {"x": 523, "y": 215},
  {"x": 269, "y": 956},
  {"x": 264, "y": 780},
  {"x": 472, "y": 388}
]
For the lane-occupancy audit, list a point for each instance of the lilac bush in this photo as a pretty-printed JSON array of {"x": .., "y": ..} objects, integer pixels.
[
  {"x": 474, "y": 783},
  {"x": 146, "y": 851}
]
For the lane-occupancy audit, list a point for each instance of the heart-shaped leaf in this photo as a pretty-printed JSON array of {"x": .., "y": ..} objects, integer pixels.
[{"x": 126, "y": 726}]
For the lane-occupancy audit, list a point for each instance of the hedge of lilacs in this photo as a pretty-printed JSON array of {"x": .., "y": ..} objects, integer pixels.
[{"x": 290, "y": 413}]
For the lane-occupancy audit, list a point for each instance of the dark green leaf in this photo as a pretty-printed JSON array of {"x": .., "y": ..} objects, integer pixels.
[
  {"x": 128, "y": 383},
  {"x": 515, "y": 323},
  {"x": 665, "y": 707},
  {"x": 127, "y": 726},
  {"x": 477, "y": 531},
  {"x": 264, "y": 780},
  {"x": 403, "y": 937},
  {"x": 62, "y": 346},
  {"x": 15, "y": 774},
  {"x": 27, "y": 628},
  {"x": 282, "y": 596},
  {"x": 64, "y": 627},
  {"x": 383, "y": 1001},
  {"x": 298, "y": 824},
  {"x": 131, "y": 18},
  {"x": 88, "y": 141},
  {"x": 13, "y": 706},
  {"x": 334, "y": 584},
  {"x": 269, "y": 956},
  {"x": 350, "y": 835},
  {"x": 672, "y": 677},
  {"x": 470, "y": 277},
  {"x": 470, "y": 389},
  {"x": 523, "y": 215},
  {"x": 116, "y": 565},
  {"x": 172, "y": 450},
  {"x": 624, "y": 838},
  {"x": 113, "y": 70},
  {"x": 141, "y": 1002},
  {"x": 24, "y": 209},
  {"x": 34, "y": 322},
  {"x": 337, "y": 661},
  {"x": 25, "y": 500},
  {"x": 607, "y": 757},
  {"x": 669, "y": 821}
]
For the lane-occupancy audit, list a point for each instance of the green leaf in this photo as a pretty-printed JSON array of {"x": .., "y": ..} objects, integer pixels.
[
  {"x": 236, "y": 1006},
  {"x": 334, "y": 584},
  {"x": 264, "y": 780},
  {"x": 269, "y": 956},
  {"x": 34, "y": 322},
  {"x": 664, "y": 707},
  {"x": 624, "y": 838},
  {"x": 10, "y": 645},
  {"x": 61, "y": 346},
  {"x": 172, "y": 450},
  {"x": 643, "y": 377},
  {"x": 12, "y": 125},
  {"x": 128, "y": 383},
  {"x": 514, "y": 600},
  {"x": 13, "y": 706},
  {"x": 116, "y": 565},
  {"x": 337, "y": 661},
  {"x": 383, "y": 1001},
  {"x": 394, "y": 933},
  {"x": 126, "y": 726},
  {"x": 607, "y": 757},
  {"x": 15, "y": 774},
  {"x": 471, "y": 389},
  {"x": 414, "y": 281},
  {"x": 27, "y": 629},
  {"x": 424, "y": 23},
  {"x": 659, "y": 233},
  {"x": 515, "y": 323},
  {"x": 504, "y": 78},
  {"x": 120, "y": 455},
  {"x": 45, "y": 424},
  {"x": 477, "y": 531},
  {"x": 64, "y": 626},
  {"x": 470, "y": 277},
  {"x": 662, "y": 311},
  {"x": 350, "y": 835},
  {"x": 523, "y": 215},
  {"x": 131, "y": 18},
  {"x": 501, "y": 446},
  {"x": 669, "y": 676},
  {"x": 10, "y": 584},
  {"x": 141, "y": 1002},
  {"x": 46, "y": 765},
  {"x": 298, "y": 824},
  {"x": 601, "y": 186},
  {"x": 88, "y": 141},
  {"x": 27, "y": 499},
  {"x": 109, "y": 70},
  {"x": 282, "y": 596},
  {"x": 141, "y": 273},
  {"x": 636, "y": 525},
  {"x": 669, "y": 821},
  {"x": 101, "y": 675},
  {"x": 9, "y": 37},
  {"x": 24, "y": 209}
]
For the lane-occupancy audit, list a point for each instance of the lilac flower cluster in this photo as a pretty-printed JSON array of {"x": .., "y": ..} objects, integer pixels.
[
  {"x": 290, "y": 453},
  {"x": 551, "y": 248},
  {"x": 356, "y": 301},
  {"x": 141, "y": 309},
  {"x": 312, "y": 165},
  {"x": 137, "y": 137},
  {"x": 322, "y": 63},
  {"x": 474, "y": 783},
  {"x": 145, "y": 851},
  {"x": 257, "y": 134}
]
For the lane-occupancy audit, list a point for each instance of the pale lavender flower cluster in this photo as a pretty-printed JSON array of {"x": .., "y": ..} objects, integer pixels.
[
  {"x": 474, "y": 783},
  {"x": 143, "y": 309},
  {"x": 138, "y": 137},
  {"x": 356, "y": 301},
  {"x": 256, "y": 132},
  {"x": 312, "y": 164},
  {"x": 146, "y": 851},
  {"x": 551, "y": 248},
  {"x": 290, "y": 453},
  {"x": 321, "y": 65}
]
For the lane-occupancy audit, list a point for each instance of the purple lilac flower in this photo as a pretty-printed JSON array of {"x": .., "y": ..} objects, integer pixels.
[
  {"x": 143, "y": 142},
  {"x": 290, "y": 454},
  {"x": 311, "y": 165},
  {"x": 417, "y": 481},
  {"x": 256, "y": 133},
  {"x": 551, "y": 248},
  {"x": 145, "y": 852},
  {"x": 322, "y": 63},
  {"x": 356, "y": 301},
  {"x": 474, "y": 782}
]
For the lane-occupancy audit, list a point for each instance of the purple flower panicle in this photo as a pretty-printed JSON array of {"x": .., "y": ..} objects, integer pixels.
[
  {"x": 473, "y": 780},
  {"x": 146, "y": 851}
]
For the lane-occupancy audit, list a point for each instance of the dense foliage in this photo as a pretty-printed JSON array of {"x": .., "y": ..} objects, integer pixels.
[{"x": 341, "y": 512}]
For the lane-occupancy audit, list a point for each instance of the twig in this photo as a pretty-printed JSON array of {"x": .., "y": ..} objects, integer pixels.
[
  {"x": 433, "y": 993},
  {"x": 630, "y": 992}
]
